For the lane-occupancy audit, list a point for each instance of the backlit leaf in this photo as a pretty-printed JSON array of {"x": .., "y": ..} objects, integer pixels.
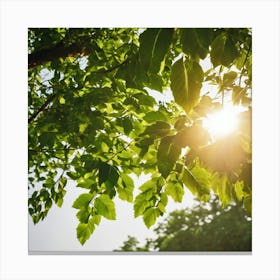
[
  {"x": 105, "y": 207},
  {"x": 168, "y": 154},
  {"x": 194, "y": 185},
  {"x": 140, "y": 204},
  {"x": 179, "y": 84},
  {"x": 175, "y": 190},
  {"x": 84, "y": 232},
  {"x": 150, "y": 216},
  {"x": 82, "y": 201},
  {"x": 223, "y": 51}
]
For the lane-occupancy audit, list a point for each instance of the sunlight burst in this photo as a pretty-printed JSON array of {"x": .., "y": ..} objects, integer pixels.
[{"x": 223, "y": 122}]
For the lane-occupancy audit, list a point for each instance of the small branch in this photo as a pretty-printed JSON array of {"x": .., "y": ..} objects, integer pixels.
[
  {"x": 42, "y": 108},
  {"x": 53, "y": 53},
  {"x": 51, "y": 150}
]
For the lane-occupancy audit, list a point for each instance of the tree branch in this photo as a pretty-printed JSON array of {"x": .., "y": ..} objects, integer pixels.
[
  {"x": 55, "y": 52},
  {"x": 42, "y": 108}
]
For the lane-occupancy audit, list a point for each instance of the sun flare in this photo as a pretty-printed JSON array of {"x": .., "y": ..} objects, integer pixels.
[{"x": 222, "y": 123}]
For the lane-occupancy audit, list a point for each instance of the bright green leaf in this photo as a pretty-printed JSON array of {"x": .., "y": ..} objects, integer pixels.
[
  {"x": 194, "y": 185},
  {"x": 179, "y": 84},
  {"x": 83, "y": 215},
  {"x": 150, "y": 216},
  {"x": 105, "y": 207},
  {"x": 140, "y": 205},
  {"x": 175, "y": 190},
  {"x": 155, "y": 116},
  {"x": 84, "y": 232},
  {"x": 83, "y": 201}
]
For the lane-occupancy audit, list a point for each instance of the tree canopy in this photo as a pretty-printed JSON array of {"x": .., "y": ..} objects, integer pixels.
[
  {"x": 205, "y": 227},
  {"x": 93, "y": 118}
]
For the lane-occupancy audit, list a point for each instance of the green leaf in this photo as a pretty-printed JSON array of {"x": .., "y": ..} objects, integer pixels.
[
  {"x": 155, "y": 116},
  {"x": 95, "y": 219},
  {"x": 61, "y": 100},
  {"x": 223, "y": 51},
  {"x": 84, "y": 232},
  {"x": 222, "y": 188},
  {"x": 83, "y": 215},
  {"x": 125, "y": 194},
  {"x": 107, "y": 172},
  {"x": 85, "y": 183},
  {"x": 195, "y": 186},
  {"x": 193, "y": 44},
  {"x": 168, "y": 154},
  {"x": 150, "y": 216},
  {"x": 158, "y": 129},
  {"x": 83, "y": 201},
  {"x": 237, "y": 94},
  {"x": 161, "y": 46},
  {"x": 147, "y": 43},
  {"x": 126, "y": 190},
  {"x": 179, "y": 84},
  {"x": 59, "y": 202},
  {"x": 154, "y": 43},
  {"x": 105, "y": 207},
  {"x": 127, "y": 181},
  {"x": 148, "y": 185},
  {"x": 229, "y": 78},
  {"x": 140, "y": 205},
  {"x": 238, "y": 188},
  {"x": 175, "y": 190}
]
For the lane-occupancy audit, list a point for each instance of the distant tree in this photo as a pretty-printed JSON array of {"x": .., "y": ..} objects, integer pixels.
[
  {"x": 92, "y": 118},
  {"x": 206, "y": 227}
]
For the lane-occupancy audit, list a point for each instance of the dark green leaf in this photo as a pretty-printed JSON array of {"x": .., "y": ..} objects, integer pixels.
[
  {"x": 193, "y": 44},
  {"x": 147, "y": 43},
  {"x": 154, "y": 43},
  {"x": 160, "y": 49},
  {"x": 159, "y": 129},
  {"x": 223, "y": 51},
  {"x": 108, "y": 172},
  {"x": 168, "y": 154}
]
